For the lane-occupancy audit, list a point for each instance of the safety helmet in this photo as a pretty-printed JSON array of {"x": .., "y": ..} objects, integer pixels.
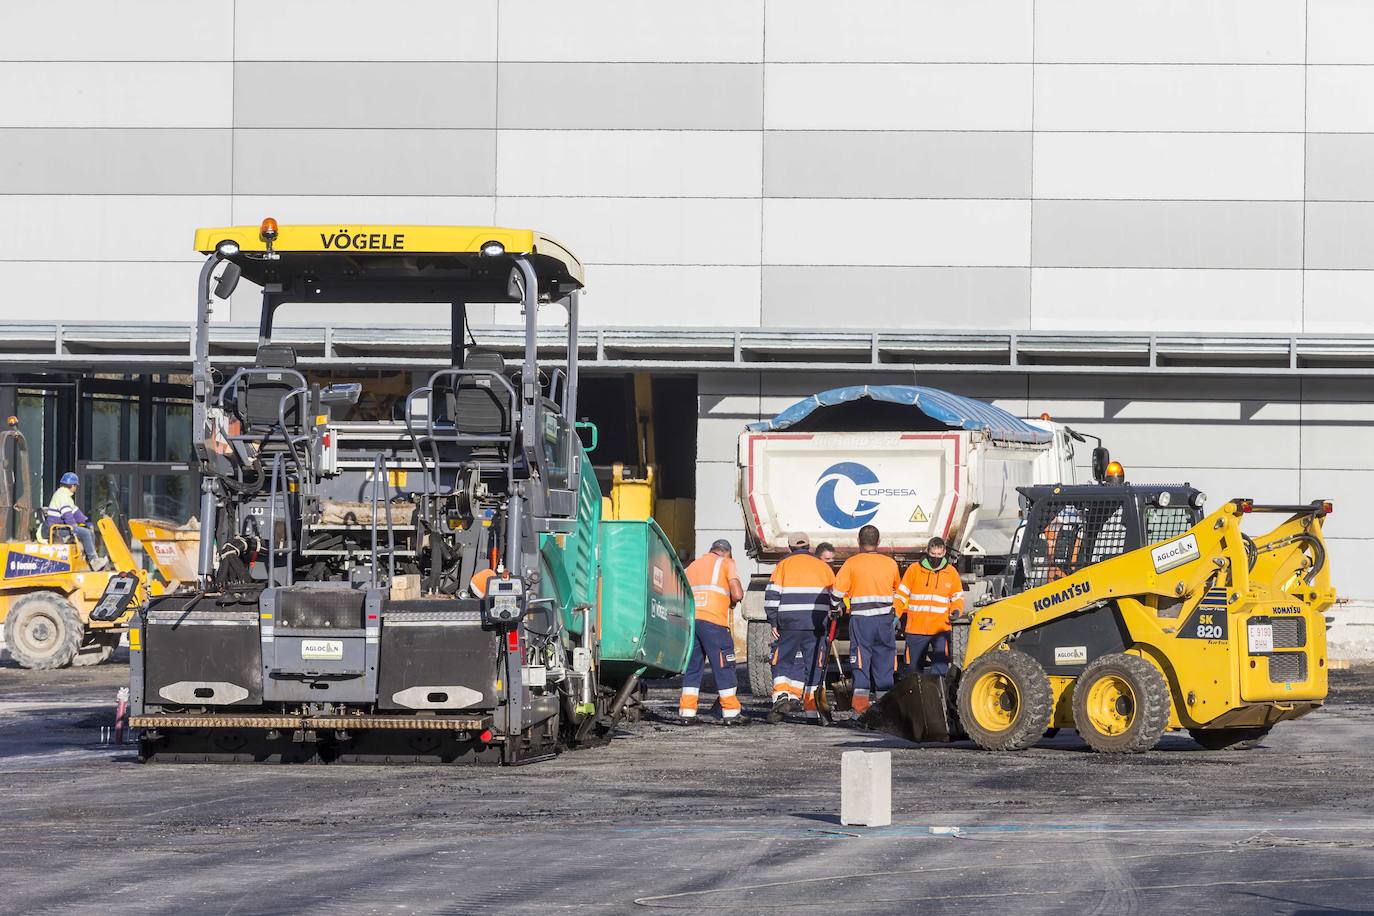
[{"x": 69, "y": 479}]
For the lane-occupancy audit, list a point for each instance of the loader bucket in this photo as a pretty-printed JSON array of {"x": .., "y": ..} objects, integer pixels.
[
  {"x": 174, "y": 549},
  {"x": 918, "y": 709}
]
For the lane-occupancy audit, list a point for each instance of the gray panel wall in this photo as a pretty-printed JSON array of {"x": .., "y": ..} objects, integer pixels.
[{"x": 1014, "y": 163}]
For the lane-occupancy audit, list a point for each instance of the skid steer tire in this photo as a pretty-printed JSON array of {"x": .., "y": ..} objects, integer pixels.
[
  {"x": 1005, "y": 701},
  {"x": 760, "y": 658},
  {"x": 43, "y": 631},
  {"x": 1229, "y": 739},
  {"x": 1121, "y": 704}
]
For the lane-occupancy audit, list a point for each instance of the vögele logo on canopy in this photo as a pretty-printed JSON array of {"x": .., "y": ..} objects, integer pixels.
[{"x": 827, "y": 503}]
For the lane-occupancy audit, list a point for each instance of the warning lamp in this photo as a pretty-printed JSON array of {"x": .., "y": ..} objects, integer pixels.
[
  {"x": 1115, "y": 472},
  {"x": 1045, "y": 416},
  {"x": 12, "y": 421},
  {"x": 1326, "y": 503},
  {"x": 485, "y": 737},
  {"x": 1247, "y": 505},
  {"x": 268, "y": 230}
]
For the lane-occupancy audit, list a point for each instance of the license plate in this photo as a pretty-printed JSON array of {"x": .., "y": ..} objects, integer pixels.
[
  {"x": 321, "y": 649},
  {"x": 1261, "y": 637}
]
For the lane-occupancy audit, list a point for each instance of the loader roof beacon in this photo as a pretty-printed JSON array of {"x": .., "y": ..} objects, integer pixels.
[{"x": 333, "y": 618}]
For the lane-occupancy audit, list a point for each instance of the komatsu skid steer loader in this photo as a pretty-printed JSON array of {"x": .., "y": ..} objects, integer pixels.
[{"x": 1131, "y": 614}]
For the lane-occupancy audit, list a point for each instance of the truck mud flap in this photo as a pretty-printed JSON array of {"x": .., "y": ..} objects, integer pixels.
[{"x": 918, "y": 709}]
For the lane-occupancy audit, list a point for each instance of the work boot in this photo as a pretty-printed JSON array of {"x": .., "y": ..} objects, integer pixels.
[
  {"x": 99, "y": 563},
  {"x": 686, "y": 720},
  {"x": 735, "y": 721},
  {"x": 824, "y": 716},
  {"x": 780, "y": 708}
]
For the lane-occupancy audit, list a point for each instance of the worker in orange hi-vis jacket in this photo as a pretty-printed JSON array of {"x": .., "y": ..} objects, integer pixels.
[
  {"x": 930, "y": 594},
  {"x": 797, "y": 602},
  {"x": 716, "y": 589},
  {"x": 868, "y": 583}
]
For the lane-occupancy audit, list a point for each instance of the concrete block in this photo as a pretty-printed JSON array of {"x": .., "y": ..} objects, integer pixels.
[{"x": 866, "y": 788}]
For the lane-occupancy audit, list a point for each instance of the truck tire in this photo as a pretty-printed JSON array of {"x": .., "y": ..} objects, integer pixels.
[
  {"x": 43, "y": 630},
  {"x": 1229, "y": 739},
  {"x": 760, "y": 659},
  {"x": 1005, "y": 701},
  {"x": 1121, "y": 704}
]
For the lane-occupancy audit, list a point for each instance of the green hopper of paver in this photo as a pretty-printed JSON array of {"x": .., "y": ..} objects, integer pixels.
[{"x": 646, "y": 621}]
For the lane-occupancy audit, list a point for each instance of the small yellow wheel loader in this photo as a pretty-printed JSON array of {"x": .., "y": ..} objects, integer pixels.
[
  {"x": 1127, "y": 614},
  {"x": 56, "y": 608}
]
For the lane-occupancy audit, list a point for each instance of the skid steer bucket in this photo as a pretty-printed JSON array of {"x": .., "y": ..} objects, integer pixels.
[{"x": 918, "y": 708}]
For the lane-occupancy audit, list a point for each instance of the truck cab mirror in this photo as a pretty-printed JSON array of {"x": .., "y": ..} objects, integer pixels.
[
  {"x": 228, "y": 280},
  {"x": 1101, "y": 458}
]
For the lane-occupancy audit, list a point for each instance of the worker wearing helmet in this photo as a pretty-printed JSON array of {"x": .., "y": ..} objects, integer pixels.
[
  {"x": 716, "y": 589},
  {"x": 797, "y": 602},
  {"x": 868, "y": 583},
  {"x": 930, "y": 595},
  {"x": 62, "y": 510}
]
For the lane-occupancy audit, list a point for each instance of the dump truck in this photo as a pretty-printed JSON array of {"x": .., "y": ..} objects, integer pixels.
[
  {"x": 916, "y": 462},
  {"x": 1134, "y": 613},
  {"x": 57, "y": 608},
  {"x": 434, "y": 586}
]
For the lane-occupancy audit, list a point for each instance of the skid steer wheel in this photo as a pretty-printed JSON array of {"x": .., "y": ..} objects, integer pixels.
[
  {"x": 1121, "y": 704},
  {"x": 1005, "y": 701},
  {"x": 43, "y": 630},
  {"x": 1229, "y": 739}
]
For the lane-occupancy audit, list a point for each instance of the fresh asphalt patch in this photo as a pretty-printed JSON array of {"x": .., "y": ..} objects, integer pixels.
[{"x": 700, "y": 819}]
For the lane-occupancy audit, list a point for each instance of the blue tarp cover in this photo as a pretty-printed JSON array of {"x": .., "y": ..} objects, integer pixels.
[{"x": 953, "y": 410}]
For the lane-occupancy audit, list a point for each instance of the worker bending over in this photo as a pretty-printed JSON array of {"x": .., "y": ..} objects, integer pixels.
[
  {"x": 62, "y": 510},
  {"x": 797, "y": 603},
  {"x": 868, "y": 582},
  {"x": 716, "y": 589},
  {"x": 930, "y": 594}
]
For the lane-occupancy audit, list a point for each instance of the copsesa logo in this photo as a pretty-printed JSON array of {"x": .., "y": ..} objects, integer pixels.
[{"x": 829, "y": 481}]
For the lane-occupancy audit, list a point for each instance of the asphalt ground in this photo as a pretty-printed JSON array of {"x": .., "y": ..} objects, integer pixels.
[{"x": 699, "y": 819}]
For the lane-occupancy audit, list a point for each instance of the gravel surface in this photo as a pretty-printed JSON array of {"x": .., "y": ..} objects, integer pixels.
[{"x": 699, "y": 819}]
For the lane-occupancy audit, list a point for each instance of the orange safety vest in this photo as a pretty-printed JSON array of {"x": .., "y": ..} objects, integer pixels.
[
  {"x": 710, "y": 575},
  {"x": 929, "y": 597},
  {"x": 798, "y": 592},
  {"x": 869, "y": 582}
]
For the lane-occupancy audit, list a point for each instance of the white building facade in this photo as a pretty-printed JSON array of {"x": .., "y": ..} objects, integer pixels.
[{"x": 1182, "y": 167}]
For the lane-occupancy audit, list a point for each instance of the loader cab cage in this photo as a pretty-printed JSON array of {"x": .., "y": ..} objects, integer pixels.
[
  {"x": 477, "y": 430},
  {"x": 1069, "y": 528}
]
